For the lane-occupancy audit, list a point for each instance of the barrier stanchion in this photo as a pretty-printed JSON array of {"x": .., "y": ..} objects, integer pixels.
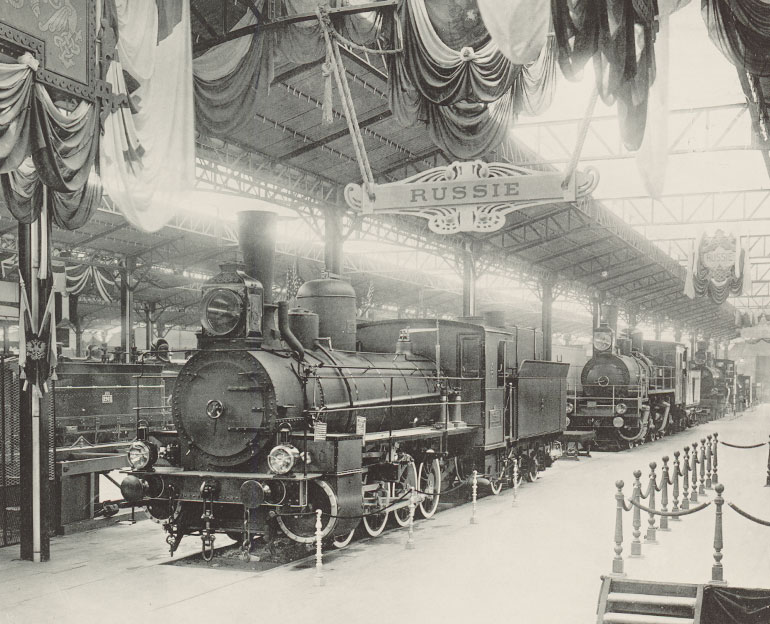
[
  {"x": 319, "y": 580},
  {"x": 474, "y": 491},
  {"x": 767, "y": 482},
  {"x": 412, "y": 507},
  {"x": 702, "y": 472},
  {"x": 677, "y": 474},
  {"x": 694, "y": 473},
  {"x": 620, "y": 507},
  {"x": 652, "y": 488},
  {"x": 708, "y": 462},
  {"x": 717, "y": 570},
  {"x": 686, "y": 478},
  {"x": 664, "y": 482},
  {"x": 636, "y": 544},
  {"x": 715, "y": 459}
]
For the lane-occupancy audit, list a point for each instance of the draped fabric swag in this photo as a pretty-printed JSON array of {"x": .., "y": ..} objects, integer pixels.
[
  {"x": 41, "y": 144},
  {"x": 81, "y": 278},
  {"x": 468, "y": 94},
  {"x": 231, "y": 78}
]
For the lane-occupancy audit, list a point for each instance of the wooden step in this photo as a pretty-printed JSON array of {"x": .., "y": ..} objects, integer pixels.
[
  {"x": 633, "y": 618},
  {"x": 651, "y": 599},
  {"x": 653, "y": 587}
]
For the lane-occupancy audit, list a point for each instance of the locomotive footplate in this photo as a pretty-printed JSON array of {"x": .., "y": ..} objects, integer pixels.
[{"x": 220, "y": 487}]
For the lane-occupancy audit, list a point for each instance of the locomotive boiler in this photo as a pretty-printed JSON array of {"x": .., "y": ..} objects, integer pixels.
[
  {"x": 632, "y": 390},
  {"x": 279, "y": 413}
]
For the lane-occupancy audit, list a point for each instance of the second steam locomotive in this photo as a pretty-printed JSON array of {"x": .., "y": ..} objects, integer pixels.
[
  {"x": 636, "y": 390},
  {"x": 282, "y": 413}
]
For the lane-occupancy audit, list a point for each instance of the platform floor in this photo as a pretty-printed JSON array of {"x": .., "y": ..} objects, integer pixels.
[{"x": 538, "y": 561}]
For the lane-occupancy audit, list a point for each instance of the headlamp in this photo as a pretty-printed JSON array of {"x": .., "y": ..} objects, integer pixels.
[
  {"x": 620, "y": 408},
  {"x": 220, "y": 311},
  {"x": 570, "y": 408},
  {"x": 141, "y": 455},
  {"x": 282, "y": 458},
  {"x": 618, "y": 422}
]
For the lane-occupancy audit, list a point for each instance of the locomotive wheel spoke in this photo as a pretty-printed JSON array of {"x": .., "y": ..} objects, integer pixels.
[{"x": 429, "y": 480}]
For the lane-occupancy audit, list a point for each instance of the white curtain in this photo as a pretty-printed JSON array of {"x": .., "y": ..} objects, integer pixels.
[
  {"x": 652, "y": 156},
  {"x": 148, "y": 157},
  {"x": 519, "y": 28}
]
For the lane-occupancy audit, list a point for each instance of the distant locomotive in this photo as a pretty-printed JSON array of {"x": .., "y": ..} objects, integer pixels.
[
  {"x": 275, "y": 420},
  {"x": 716, "y": 385},
  {"x": 632, "y": 390}
]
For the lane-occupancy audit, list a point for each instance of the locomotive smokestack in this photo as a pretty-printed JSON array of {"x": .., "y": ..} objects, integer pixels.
[
  {"x": 610, "y": 316},
  {"x": 256, "y": 235}
]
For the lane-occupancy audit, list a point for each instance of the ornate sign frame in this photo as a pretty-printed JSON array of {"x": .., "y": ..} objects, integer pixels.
[
  {"x": 59, "y": 34},
  {"x": 472, "y": 196}
]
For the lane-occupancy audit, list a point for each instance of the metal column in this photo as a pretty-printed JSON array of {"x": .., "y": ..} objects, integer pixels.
[
  {"x": 546, "y": 315},
  {"x": 127, "y": 309},
  {"x": 333, "y": 241},
  {"x": 469, "y": 280},
  {"x": 35, "y": 445}
]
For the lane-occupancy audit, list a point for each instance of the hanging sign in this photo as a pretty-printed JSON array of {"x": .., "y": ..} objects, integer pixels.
[
  {"x": 469, "y": 196},
  {"x": 319, "y": 432}
]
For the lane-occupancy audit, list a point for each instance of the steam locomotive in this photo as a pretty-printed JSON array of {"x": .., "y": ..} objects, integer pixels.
[
  {"x": 281, "y": 413},
  {"x": 636, "y": 390}
]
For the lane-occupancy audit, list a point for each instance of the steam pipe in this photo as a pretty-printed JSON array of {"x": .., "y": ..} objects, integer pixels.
[{"x": 286, "y": 334}]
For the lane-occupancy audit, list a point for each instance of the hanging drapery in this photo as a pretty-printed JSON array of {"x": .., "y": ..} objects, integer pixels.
[
  {"x": 740, "y": 29},
  {"x": 467, "y": 93},
  {"x": 230, "y": 79},
  {"x": 81, "y": 278},
  {"x": 40, "y": 144},
  {"x": 519, "y": 28},
  {"x": 148, "y": 151},
  {"x": 619, "y": 36}
]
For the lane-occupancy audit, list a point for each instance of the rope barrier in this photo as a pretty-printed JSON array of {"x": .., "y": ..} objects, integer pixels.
[
  {"x": 743, "y": 446},
  {"x": 670, "y": 514},
  {"x": 747, "y": 515}
]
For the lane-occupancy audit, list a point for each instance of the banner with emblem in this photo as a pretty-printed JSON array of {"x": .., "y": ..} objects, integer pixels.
[
  {"x": 37, "y": 342},
  {"x": 718, "y": 266}
]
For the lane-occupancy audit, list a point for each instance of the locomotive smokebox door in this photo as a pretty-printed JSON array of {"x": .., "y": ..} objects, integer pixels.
[{"x": 221, "y": 404}]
